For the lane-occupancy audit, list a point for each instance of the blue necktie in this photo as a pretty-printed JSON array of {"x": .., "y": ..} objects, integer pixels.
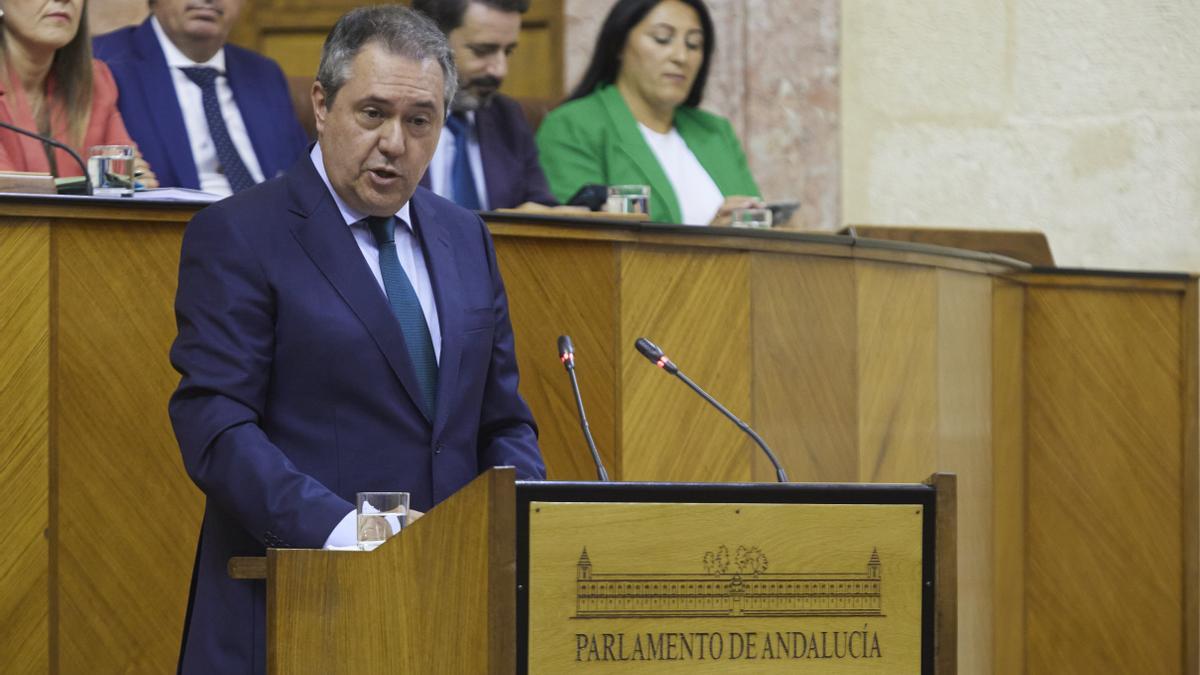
[
  {"x": 407, "y": 308},
  {"x": 462, "y": 180},
  {"x": 231, "y": 162}
]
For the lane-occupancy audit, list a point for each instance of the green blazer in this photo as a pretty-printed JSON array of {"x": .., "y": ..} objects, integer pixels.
[{"x": 595, "y": 139}]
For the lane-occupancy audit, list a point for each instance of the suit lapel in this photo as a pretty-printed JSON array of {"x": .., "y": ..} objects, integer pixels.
[
  {"x": 635, "y": 147},
  {"x": 259, "y": 126},
  {"x": 156, "y": 83},
  {"x": 323, "y": 235},
  {"x": 494, "y": 155},
  {"x": 444, "y": 275}
]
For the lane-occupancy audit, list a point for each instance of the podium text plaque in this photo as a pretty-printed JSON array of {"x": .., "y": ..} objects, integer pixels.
[{"x": 686, "y": 578}]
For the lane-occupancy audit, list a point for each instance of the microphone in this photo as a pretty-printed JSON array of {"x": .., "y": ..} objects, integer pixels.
[
  {"x": 87, "y": 182},
  {"x": 566, "y": 353},
  {"x": 656, "y": 356}
]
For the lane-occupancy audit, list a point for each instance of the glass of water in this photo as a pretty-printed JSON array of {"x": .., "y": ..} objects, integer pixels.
[
  {"x": 110, "y": 170},
  {"x": 750, "y": 217},
  {"x": 380, "y": 515},
  {"x": 628, "y": 199}
]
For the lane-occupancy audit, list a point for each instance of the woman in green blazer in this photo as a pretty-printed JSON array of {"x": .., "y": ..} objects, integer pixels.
[{"x": 634, "y": 120}]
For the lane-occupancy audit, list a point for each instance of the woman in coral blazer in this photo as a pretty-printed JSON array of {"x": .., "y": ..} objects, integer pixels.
[{"x": 52, "y": 85}]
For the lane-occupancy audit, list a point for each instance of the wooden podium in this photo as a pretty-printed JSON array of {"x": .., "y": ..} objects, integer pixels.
[{"x": 537, "y": 577}]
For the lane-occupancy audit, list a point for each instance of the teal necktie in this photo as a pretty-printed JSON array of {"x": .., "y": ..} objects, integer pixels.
[{"x": 407, "y": 308}]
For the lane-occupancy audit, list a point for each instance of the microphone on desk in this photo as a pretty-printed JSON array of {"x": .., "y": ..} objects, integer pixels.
[
  {"x": 50, "y": 141},
  {"x": 656, "y": 356},
  {"x": 566, "y": 354}
]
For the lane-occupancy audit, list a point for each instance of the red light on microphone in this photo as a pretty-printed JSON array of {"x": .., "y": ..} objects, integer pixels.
[{"x": 661, "y": 363}]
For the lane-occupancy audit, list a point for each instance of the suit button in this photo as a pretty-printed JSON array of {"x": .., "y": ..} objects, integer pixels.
[{"x": 437, "y": 449}]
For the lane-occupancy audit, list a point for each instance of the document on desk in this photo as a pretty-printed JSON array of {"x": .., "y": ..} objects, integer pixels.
[{"x": 175, "y": 194}]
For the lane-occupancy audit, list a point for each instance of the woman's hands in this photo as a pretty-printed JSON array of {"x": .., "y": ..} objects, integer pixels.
[{"x": 725, "y": 214}]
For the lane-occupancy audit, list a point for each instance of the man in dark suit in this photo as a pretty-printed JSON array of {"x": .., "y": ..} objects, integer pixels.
[
  {"x": 340, "y": 330},
  {"x": 206, "y": 115},
  {"x": 487, "y": 158}
]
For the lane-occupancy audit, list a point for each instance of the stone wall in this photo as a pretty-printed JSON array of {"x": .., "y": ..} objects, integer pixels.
[{"x": 1080, "y": 118}]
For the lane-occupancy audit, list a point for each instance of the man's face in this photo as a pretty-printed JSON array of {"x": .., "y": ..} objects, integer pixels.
[
  {"x": 380, "y": 132},
  {"x": 482, "y": 45},
  {"x": 197, "y": 20}
]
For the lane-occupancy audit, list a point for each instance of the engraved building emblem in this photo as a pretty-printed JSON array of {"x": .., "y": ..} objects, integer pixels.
[{"x": 732, "y": 585}]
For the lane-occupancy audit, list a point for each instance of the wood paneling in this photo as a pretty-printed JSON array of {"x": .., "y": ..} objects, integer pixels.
[
  {"x": 128, "y": 516},
  {"x": 964, "y": 446},
  {"x": 897, "y": 372},
  {"x": 292, "y": 32},
  {"x": 805, "y": 366},
  {"x": 1104, "y": 583},
  {"x": 566, "y": 288},
  {"x": 1190, "y": 341},
  {"x": 1008, "y": 476},
  {"x": 461, "y": 558},
  {"x": 25, "y": 447},
  {"x": 1075, "y": 391},
  {"x": 694, "y": 307}
]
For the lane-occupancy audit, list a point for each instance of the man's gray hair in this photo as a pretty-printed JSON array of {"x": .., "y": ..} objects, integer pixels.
[{"x": 400, "y": 30}]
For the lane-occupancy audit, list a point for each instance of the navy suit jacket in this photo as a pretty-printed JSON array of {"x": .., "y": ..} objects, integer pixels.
[
  {"x": 154, "y": 120},
  {"x": 297, "y": 390},
  {"x": 510, "y": 156}
]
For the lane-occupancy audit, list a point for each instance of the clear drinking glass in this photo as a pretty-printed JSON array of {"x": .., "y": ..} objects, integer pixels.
[
  {"x": 110, "y": 170},
  {"x": 628, "y": 199},
  {"x": 758, "y": 218},
  {"x": 380, "y": 515}
]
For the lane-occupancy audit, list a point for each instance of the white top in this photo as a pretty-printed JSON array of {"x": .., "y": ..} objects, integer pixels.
[
  {"x": 408, "y": 249},
  {"x": 204, "y": 151},
  {"x": 699, "y": 197},
  {"x": 443, "y": 162}
]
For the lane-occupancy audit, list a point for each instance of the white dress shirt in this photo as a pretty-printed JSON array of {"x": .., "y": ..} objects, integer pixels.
[
  {"x": 204, "y": 151},
  {"x": 698, "y": 195},
  {"x": 408, "y": 249},
  {"x": 443, "y": 162}
]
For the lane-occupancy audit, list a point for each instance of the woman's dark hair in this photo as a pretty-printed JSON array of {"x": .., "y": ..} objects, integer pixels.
[{"x": 606, "y": 58}]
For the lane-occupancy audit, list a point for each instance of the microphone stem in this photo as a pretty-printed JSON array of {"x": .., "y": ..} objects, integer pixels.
[
  {"x": 601, "y": 474},
  {"x": 87, "y": 180},
  {"x": 779, "y": 473}
]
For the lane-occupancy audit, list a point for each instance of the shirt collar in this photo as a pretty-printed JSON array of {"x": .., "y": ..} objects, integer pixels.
[
  {"x": 350, "y": 215},
  {"x": 177, "y": 59}
]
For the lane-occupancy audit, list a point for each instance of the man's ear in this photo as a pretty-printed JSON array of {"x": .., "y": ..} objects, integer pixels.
[{"x": 319, "y": 104}]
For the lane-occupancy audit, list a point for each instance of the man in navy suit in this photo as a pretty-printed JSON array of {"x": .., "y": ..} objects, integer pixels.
[
  {"x": 206, "y": 115},
  {"x": 340, "y": 330},
  {"x": 497, "y": 165}
]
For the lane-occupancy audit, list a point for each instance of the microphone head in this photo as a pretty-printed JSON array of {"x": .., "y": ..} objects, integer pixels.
[
  {"x": 566, "y": 350},
  {"x": 648, "y": 349},
  {"x": 655, "y": 355}
]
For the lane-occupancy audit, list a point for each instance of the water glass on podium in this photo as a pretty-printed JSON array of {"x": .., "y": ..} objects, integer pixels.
[
  {"x": 110, "y": 170},
  {"x": 628, "y": 199},
  {"x": 380, "y": 515},
  {"x": 751, "y": 217}
]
